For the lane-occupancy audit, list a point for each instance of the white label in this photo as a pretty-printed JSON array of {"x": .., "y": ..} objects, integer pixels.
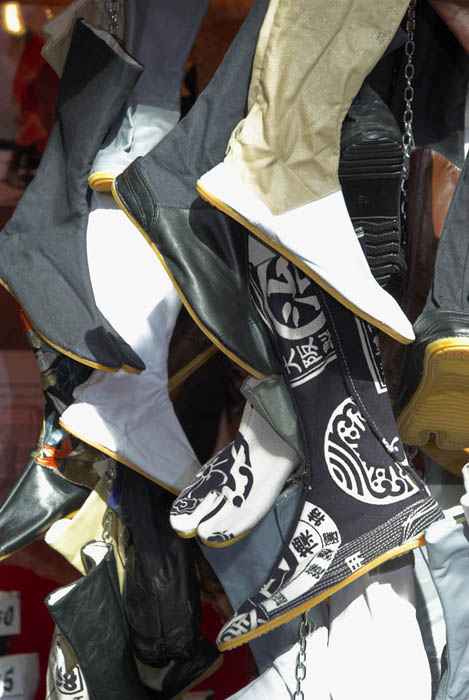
[
  {"x": 10, "y": 617},
  {"x": 11, "y": 677}
]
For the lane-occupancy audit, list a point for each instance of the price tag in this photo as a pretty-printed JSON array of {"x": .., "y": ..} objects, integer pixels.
[
  {"x": 10, "y": 617},
  {"x": 12, "y": 676}
]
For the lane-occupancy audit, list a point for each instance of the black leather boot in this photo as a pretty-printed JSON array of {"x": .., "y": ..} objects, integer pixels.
[{"x": 204, "y": 251}]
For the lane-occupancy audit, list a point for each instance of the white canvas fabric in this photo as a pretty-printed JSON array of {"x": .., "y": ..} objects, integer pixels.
[
  {"x": 142, "y": 128},
  {"x": 375, "y": 640},
  {"x": 130, "y": 417},
  {"x": 319, "y": 238},
  {"x": 237, "y": 487}
]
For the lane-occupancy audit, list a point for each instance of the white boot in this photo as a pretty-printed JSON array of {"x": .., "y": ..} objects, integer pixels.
[
  {"x": 319, "y": 238},
  {"x": 130, "y": 417}
]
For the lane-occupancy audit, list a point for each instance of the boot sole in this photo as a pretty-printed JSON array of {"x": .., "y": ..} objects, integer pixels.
[
  {"x": 69, "y": 353},
  {"x": 218, "y": 204},
  {"x": 440, "y": 405},
  {"x": 418, "y": 541},
  {"x": 102, "y": 181},
  {"x": 190, "y": 310}
]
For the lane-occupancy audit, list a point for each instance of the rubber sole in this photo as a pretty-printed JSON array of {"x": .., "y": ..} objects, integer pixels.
[
  {"x": 418, "y": 541},
  {"x": 69, "y": 353},
  {"x": 439, "y": 408},
  {"x": 189, "y": 308},
  {"x": 102, "y": 181},
  {"x": 214, "y": 201}
]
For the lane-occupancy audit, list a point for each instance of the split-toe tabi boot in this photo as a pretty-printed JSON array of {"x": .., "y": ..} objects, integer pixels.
[
  {"x": 237, "y": 487},
  {"x": 203, "y": 251},
  {"x": 362, "y": 503},
  {"x": 43, "y": 259},
  {"x": 130, "y": 417},
  {"x": 279, "y": 177}
]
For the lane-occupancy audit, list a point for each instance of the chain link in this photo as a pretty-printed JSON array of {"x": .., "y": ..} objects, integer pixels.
[
  {"x": 113, "y": 8},
  {"x": 108, "y": 519},
  {"x": 408, "y": 137},
  {"x": 300, "y": 669}
]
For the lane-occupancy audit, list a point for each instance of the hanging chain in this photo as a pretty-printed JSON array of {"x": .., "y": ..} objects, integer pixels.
[
  {"x": 300, "y": 670},
  {"x": 113, "y": 8},
  {"x": 408, "y": 136},
  {"x": 108, "y": 519}
]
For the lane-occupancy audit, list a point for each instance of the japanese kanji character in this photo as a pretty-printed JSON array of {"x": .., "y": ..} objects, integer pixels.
[
  {"x": 304, "y": 543},
  {"x": 316, "y": 516}
]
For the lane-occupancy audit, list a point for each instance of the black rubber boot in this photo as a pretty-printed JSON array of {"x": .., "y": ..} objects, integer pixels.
[{"x": 203, "y": 250}]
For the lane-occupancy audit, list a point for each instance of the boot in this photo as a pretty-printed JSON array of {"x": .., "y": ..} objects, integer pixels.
[
  {"x": 40, "y": 494},
  {"x": 89, "y": 615},
  {"x": 161, "y": 595},
  {"x": 203, "y": 251},
  {"x": 362, "y": 503},
  {"x": 279, "y": 177},
  {"x": 44, "y": 240},
  {"x": 126, "y": 416}
]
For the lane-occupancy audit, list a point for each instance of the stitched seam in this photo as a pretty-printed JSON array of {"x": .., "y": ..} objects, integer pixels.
[
  {"x": 360, "y": 400},
  {"x": 146, "y": 185}
]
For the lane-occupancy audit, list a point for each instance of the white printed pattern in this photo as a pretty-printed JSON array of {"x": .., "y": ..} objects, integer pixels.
[
  {"x": 300, "y": 320},
  {"x": 345, "y": 434}
]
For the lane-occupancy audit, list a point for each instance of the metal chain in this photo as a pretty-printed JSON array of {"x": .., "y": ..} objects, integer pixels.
[
  {"x": 113, "y": 8},
  {"x": 408, "y": 136},
  {"x": 108, "y": 519},
  {"x": 300, "y": 669}
]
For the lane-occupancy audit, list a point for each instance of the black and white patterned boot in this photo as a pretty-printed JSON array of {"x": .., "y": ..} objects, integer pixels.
[{"x": 363, "y": 503}]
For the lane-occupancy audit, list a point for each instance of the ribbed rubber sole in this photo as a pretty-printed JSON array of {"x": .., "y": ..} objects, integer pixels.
[{"x": 439, "y": 408}]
